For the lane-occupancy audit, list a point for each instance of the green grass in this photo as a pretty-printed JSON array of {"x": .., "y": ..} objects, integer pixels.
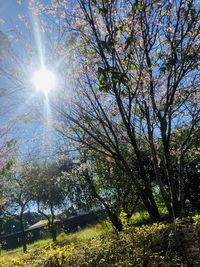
[
  {"x": 85, "y": 234},
  {"x": 139, "y": 218},
  {"x": 38, "y": 244},
  {"x": 99, "y": 245},
  {"x": 142, "y": 217},
  {"x": 63, "y": 239},
  {"x": 82, "y": 235}
]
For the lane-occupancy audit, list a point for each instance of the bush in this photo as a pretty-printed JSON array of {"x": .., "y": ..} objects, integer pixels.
[
  {"x": 152, "y": 245},
  {"x": 132, "y": 247}
]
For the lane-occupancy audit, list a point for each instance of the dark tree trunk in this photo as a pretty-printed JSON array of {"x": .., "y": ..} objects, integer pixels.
[
  {"x": 52, "y": 230},
  {"x": 23, "y": 235},
  {"x": 114, "y": 219},
  {"x": 145, "y": 193},
  {"x": 112, "y": 216},
  {"x": 129, "y": 214},
  {"x": 150, "y": 205},
  {"x": 50, "y": 219},
  {"x": 52, "y": 223}
]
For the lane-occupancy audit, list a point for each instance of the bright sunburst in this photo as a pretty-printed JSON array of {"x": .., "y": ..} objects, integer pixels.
[{"x": 44, "y": 80}]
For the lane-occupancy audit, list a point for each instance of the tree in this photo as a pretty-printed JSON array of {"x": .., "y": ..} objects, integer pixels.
[
  {"x": 6, "y": 163},
  {"x": 189, "y": 168},
  {"x": 109, "y": 185},
  {"x": 46, "y": 186},
  {"x": 17, "y": 197},
  {"x": 79, "y": 196},
  {"x": 137, "y": 83},
  {"x": 7, "y": 144}
]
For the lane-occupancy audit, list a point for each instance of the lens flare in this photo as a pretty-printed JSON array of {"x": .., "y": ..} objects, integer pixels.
[{"x": 44, "y": 80}]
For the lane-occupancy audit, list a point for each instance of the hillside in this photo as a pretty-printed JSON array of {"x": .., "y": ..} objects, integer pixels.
[{"x": 160, "y": 244}]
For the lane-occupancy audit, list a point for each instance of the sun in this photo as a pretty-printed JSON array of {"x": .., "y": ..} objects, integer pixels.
[{"x": 44, "y": 80}]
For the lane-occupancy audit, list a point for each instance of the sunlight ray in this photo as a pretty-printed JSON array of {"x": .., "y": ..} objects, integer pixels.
[{"x": 38, "y": 39}]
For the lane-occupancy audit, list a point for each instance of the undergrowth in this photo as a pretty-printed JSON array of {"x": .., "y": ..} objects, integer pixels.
[{"x": 158, "y": 244}]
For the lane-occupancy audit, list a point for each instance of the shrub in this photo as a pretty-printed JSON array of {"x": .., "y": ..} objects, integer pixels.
[
  {"x": 152, "y": 245},
  {"x": 131, "y": 247}
]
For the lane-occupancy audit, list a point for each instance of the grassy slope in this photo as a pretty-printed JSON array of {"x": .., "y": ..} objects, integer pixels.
[
  {"x": 99, "y": 245},
  {"x": 84, "y": 235},
  {"x": 88, "y": 233}
]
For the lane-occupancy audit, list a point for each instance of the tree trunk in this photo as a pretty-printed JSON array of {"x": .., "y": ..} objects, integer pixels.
[
  {"x": 114, "y": 219},
  {"x": 52, "y": 224},
  {"x": 145, "y": 192},
  {"x": 23, "y": 235},
  {"x": 129, "y": 214},
  {"x": 150, "y": 204},
  {"x": 53, "y": 232},
  {"x": 112, "y": 216},
  {"x": 50, "y": 219}
]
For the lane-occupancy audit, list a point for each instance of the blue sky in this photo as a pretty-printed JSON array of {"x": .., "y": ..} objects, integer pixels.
[
  {"x": 9, "y": 10},
  {"x": 31, "y": 134}
]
